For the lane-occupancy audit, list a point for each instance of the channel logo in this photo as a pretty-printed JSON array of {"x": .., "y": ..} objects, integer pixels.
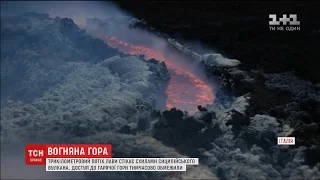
[{"x": 285, "y": 23}]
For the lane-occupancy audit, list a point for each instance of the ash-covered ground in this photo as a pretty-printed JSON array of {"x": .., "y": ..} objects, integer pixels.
[{"x": 61, "y": 85}]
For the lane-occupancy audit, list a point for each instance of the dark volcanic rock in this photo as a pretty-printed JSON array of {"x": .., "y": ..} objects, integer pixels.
[
  {"x": 237, "y": 120},
  {"x": 262, "y": 131},
  {"x": 200, "y": 108},
  {"x": 313, "y": 155},
  {"x": 306, "y": 134},
  {"x": 185, "y": 133},
  {"x": 265, "y": 106},
  {"x": 240, "y": 30}
]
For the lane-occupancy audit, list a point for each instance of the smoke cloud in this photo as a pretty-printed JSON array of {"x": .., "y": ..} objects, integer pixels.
[{"x": 105, "y": 19}]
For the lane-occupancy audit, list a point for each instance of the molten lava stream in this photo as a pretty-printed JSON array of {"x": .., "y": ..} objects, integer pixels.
[{"x": 186, "y": 91}]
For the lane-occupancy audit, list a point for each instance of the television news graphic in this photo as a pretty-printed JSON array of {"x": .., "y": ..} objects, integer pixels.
[
  {"x": 286, "y": 141},
  {"x": 97, "y": 157},
  {"x": 36, "y": 154}
]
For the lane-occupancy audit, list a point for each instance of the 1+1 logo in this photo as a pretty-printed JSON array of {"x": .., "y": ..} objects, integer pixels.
[{"x": 285, "y": 23}]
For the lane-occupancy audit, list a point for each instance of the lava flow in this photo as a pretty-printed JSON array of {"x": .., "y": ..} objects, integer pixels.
[{"x": 186, "y": 91}]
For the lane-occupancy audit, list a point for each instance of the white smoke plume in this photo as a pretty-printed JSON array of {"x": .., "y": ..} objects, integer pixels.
[
  {"x": 117, "y": 23},
  {"x": 106, "y": 19}
]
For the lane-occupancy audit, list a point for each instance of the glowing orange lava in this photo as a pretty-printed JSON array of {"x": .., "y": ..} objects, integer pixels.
[{"x": 186, "y": 91}]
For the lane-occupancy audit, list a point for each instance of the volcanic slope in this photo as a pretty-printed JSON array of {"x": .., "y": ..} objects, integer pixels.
[
  {"x": 188, "y": 86},
  {"x": 94, "y": 100},
  {"x": 57, "y": 79},
  {"x": 34, "y": 46}
]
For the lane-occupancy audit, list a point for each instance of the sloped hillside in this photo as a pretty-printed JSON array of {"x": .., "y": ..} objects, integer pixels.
[
  {"x": 93, "y": 97},
  {"x": 34, "y": 47},
  {"x": 74, "y": 93}
]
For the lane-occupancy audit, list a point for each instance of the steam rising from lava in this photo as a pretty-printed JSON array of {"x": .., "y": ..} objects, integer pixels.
[
  {"x": 186, "y": 90},
  {"x": 188, "y": 86}
]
